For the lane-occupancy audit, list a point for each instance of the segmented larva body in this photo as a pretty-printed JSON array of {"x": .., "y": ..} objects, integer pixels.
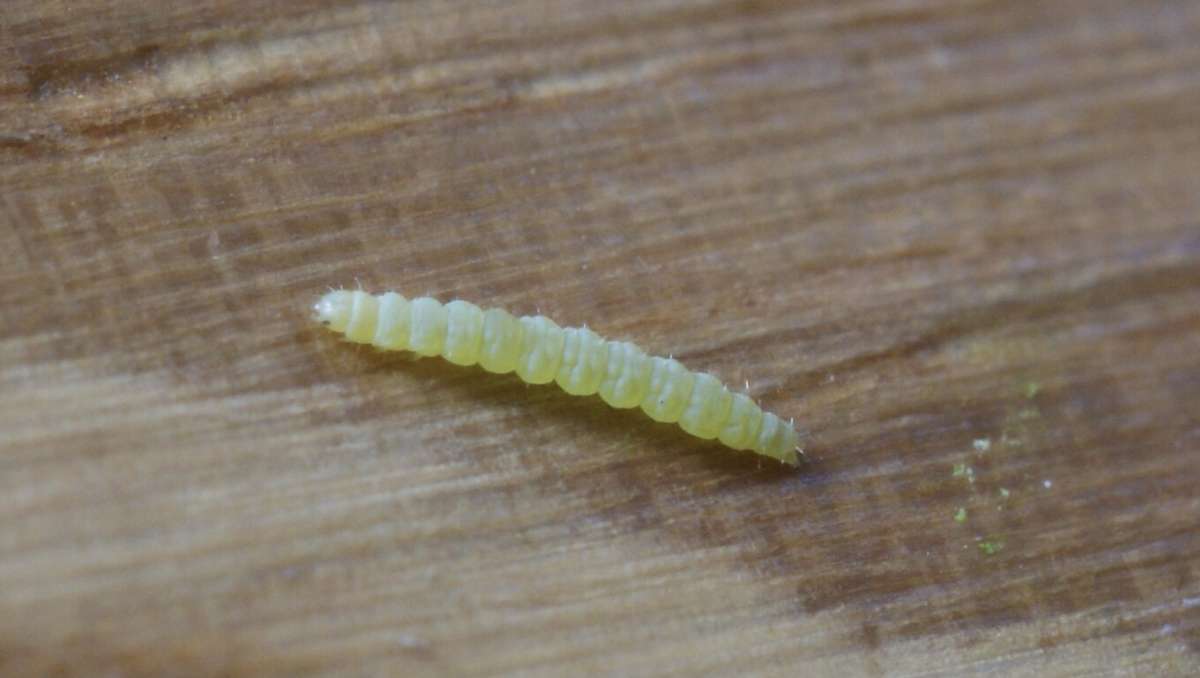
[{"x": 577, "y": 359}]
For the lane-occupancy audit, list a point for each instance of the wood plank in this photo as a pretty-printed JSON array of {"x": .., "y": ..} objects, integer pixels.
[{"x": 957, "y": 241}]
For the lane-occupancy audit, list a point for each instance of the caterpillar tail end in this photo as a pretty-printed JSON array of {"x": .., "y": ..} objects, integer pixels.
[
  {"x": 798, "y": 456},
  {"x": 793, "y": 458}
]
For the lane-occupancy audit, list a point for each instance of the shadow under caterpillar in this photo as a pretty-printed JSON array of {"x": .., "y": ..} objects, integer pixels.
[{"x": 580, "y": 361}]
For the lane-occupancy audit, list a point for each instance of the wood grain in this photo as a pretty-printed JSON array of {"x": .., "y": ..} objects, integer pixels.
[{"x": 958, "y": 241}]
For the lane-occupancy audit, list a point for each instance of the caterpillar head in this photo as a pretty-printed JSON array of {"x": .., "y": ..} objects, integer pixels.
[{"x": 333, "y": 310}]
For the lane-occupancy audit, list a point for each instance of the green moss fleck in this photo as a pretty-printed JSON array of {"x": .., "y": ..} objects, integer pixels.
[
  {"x": 960, "y": 516},
  {"x": 1032, "y": 388},
  {"x": 1004, "y": 493},
  {"x": 991, "y": 546},
  {"x": 963, "y": 471}
]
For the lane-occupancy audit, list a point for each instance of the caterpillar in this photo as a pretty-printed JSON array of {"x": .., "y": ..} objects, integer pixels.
[{"x": 580, "y": 361}]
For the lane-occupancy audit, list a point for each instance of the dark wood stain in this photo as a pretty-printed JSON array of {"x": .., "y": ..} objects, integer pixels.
[{"x": 52, "y": 78}]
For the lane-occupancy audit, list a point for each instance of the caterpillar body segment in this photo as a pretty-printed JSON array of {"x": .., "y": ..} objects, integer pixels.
[
  {"x": 740, "y": 431},
  {"x": 464, "y": 333},
  {"x": 394, "y": 321},
  {"x": 584, "y": 361},
  {"x": 363, "y": 319},
  {"x": 427, "y": 333},
  {"x": 577, "y": 359},
  {"x": 501, "y": 347},
  {"x": 626, "y": 376},
  {"x": 541, "y": 350},
  {"x": 670, "y": 390}
]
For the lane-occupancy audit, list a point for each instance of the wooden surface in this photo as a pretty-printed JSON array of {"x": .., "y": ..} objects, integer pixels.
[{"x": 958, "y": 241}]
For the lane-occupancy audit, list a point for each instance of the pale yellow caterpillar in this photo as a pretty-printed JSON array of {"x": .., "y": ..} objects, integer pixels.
[{"x": 577, "y": 359}]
